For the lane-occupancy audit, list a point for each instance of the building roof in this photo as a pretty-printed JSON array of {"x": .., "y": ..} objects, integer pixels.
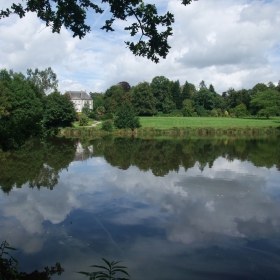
[{"x": 80, "y": 95}]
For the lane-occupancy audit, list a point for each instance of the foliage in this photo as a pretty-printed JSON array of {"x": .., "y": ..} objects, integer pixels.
[
  {"x": 9, "y": 267},
  {"x": 168, "y": 105},
  {"x": 107, "y": 116},
  {"x": 59, "y": 111},
  {"x": 83, "y": 121},
  {"x": 108, "y": 272},
  {"x": 126, "y": 117},
  {"x": 201, "y": 111},
  {"x": 267, "y": 102},
  {"x": 107, "y": 126},
  {"x": 214, "y": 113},
  {"x": 4, "y": 104},
  {"x": 100, "y": 110},
  {"x": 240, "y": 110},
  {"x": 143, "y": 100},
  {"x": 73, "y": 15},
  {"x": 186, "y": 92},
  {"x": 23, "y": 111},
  {"x": 176, "y": 94},
  {"x": 86, "y": 109},
  {"x": 125, "y": 85},
  {"x": 45, "y": 80},
  {"x": 45, "y": 161},
  {"x": 188, "y": 109},
  {"x": 160, "y": 90},
  {"x": 205, "y": 98},
  {"x": 113, "y": 98}
]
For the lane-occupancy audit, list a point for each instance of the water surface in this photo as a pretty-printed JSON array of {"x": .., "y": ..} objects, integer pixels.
[{"x": 170, "y": 209}]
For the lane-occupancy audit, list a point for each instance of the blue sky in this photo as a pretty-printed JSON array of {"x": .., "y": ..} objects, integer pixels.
[{"x": 226, "y": 43}]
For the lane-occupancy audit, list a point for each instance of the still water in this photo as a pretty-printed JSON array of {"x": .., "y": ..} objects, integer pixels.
[{"x": 168, "y": 208}]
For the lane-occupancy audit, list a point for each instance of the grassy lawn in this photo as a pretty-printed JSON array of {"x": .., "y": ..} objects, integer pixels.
[{"x": 169, "y": 122}]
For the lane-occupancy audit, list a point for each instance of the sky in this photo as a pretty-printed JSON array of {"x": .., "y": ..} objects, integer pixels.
[{"x": 233, "y": 43}]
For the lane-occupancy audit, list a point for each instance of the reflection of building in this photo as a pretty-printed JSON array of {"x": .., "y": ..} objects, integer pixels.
[
  {"x": 79, "y": 99},
  {"x": 83, "y": 154}
]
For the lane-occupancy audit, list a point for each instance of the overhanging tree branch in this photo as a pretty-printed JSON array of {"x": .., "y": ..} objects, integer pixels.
[{"x": 72, "y": 14}]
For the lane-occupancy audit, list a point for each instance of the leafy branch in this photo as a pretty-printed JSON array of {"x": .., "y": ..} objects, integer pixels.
[
  {"x": 72, "y": 14},
  {"x": 108, "y": 272}
]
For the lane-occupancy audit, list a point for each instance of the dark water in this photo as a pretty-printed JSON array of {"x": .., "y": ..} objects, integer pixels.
[{"x": 170, "y": 209}]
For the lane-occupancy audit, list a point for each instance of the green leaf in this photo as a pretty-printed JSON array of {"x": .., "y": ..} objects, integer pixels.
[{"x": 107, "y": 262}]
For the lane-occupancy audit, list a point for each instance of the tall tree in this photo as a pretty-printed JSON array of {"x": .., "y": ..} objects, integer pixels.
[
  {"x": 202, "y": 85},
  {"x": 72, "y": 14},
  {"x": 125, "y": 85},
  {"x": 204, "y": 97},
  {"x": 186, "y": 92},
  {"x": 161, "y": 91},
  {"x": 176, "y": 94},
  {"x": 143, "y": 100},
  {"x": 23, "y": 115},
  {"x": 45, "y": 80},
  {"x": 113, "y": 98}
]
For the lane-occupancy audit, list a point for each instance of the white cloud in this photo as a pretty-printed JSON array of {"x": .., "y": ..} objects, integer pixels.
[{"x": 226, "y": 43}]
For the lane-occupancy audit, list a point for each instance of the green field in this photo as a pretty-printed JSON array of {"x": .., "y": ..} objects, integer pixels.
[{"x": 199, "y": 122}]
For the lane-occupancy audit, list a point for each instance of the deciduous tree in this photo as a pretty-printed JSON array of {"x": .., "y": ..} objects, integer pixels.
[
  {"x": 143, "y": 100},
  {"x": 72, "y": 14},
  {"x": 126, "y": 117}
]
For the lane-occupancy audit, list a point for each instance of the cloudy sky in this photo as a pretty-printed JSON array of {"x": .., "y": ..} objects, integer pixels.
[{"x": 233, "y": 43}]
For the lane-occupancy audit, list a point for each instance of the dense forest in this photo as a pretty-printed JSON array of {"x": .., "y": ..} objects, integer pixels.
[{"x": 163, "y": 96}]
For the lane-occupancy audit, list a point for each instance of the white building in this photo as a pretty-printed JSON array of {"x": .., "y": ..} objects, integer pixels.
[{"x": 79, "y": 99}]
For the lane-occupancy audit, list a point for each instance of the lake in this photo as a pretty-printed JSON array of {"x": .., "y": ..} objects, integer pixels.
[{"x": 168, "y": 208}]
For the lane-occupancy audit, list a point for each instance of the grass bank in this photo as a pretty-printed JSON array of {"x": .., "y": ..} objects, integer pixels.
[
  {"x": 207, "y": 122},
  {"x": 180, "y": 126}
]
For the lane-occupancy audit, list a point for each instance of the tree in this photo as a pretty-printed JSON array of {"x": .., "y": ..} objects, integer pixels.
[
  {"x": 188, "y": 109},
  {"x": 126, "y": 117},
  {"x": 240, "y": 110},
  {"x": 161, "y": 91},
  {"x": 72, "y": 14},
  {"x": 4, "y": 104},
  {"x": 176, "y": 94},
  {"x": 267, "y": 103},
  {"x": 59, "y": 111},
  {"x": 143, "y": 100},
  {"x": 202, "y": 85},
  {"x": 86, "y": 109},
  {"x": 204, "y": 98},
  {"x": 113, "y": 98},
  {"x": 125, "y": 85},
  {"x": 23, "y": 110},
  {"x": 186, "y": 92},
  {"x": 45, "y": 80}
]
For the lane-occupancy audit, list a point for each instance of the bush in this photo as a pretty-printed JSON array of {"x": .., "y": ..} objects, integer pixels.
[
  {"x": 83, "y": 121},
  {"x": 126, "y": 117},
  {"x": 92, "y": 115},
  {"x": 214, "y": 113},
  {"x": 107, "y": 116},
  {"x": 107, "y": 126}
]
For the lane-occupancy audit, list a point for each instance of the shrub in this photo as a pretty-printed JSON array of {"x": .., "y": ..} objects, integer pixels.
[
  {"x": 126, "y": 117},
  {"x": 214, "y": 113},
  {"x": 107, "y": 116},
  {"x": 107, "y": 126},
  {"x": 83, "y": 121}
]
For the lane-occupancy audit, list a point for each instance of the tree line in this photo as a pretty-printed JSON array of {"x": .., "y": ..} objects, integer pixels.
[
  {"x": 26, "y": 108},
  {"x": 163, "y": 96}
]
